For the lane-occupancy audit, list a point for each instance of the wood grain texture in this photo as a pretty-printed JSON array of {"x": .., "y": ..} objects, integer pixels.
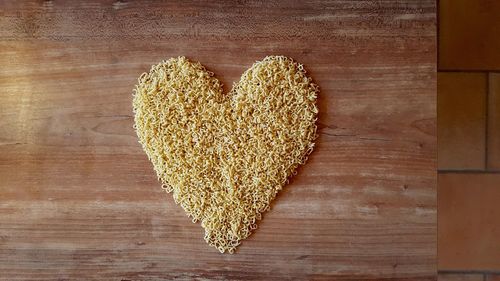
[{"x": 80, "y": 201}]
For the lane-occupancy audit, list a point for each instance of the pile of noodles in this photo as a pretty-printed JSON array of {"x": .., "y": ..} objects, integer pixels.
[{"x": 225, "y": 157}]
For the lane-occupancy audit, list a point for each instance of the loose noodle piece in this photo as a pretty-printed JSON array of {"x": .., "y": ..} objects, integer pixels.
[{"x": 225, "y": 157}]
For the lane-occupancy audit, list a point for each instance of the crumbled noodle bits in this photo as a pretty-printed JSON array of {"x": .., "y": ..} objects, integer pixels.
[{"x": 225, "y": 157}]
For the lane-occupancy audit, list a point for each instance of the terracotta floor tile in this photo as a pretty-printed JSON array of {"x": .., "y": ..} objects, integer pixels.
[
  {"x": 468, "y": 34},
  {"x": 494, "y": 122},
  {"x": 493, "y": 277},
  {"x": 468, "y": 221},
  {"x": 461, "y": 120},
  {"x": 459, "y": 277}
]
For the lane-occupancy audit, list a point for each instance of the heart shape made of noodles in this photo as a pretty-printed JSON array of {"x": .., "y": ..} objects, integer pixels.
[{"x": 226, "y": 156}]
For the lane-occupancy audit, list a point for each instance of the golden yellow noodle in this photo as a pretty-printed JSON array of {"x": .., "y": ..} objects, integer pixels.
[{"x": 225, "y": 157}]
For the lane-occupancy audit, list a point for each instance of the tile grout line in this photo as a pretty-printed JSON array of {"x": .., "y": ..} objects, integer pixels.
[
  {"x": 468, "y": 172},
  {"x": 470, "y": 70},
  {"x": 437, "y": 35},
  {"x": 486, "y": 113},
  {"x": 483, "y": 272},
  {"x": 437, "y": 114}
]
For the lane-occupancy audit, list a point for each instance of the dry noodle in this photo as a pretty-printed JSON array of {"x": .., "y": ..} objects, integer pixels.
[{"x": 225, "y": 157}]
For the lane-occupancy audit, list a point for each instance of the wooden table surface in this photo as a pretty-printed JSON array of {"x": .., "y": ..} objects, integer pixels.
[{"x": 79, "y": 199}]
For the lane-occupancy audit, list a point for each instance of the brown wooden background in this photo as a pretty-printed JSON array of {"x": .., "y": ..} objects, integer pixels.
[{"x": 79, "y": 199}]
